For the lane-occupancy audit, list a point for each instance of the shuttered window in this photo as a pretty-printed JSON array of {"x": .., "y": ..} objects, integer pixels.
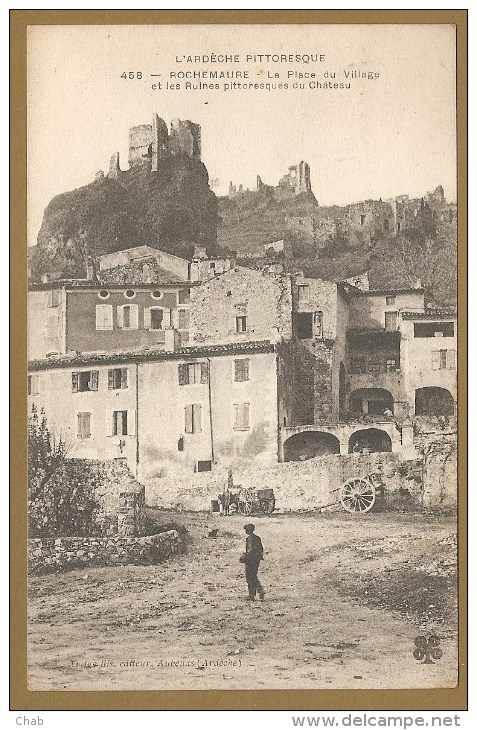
[
  {"x": 117, "y": 378},
  {"x": 128, "y": 317},
  {"x": 241, "y": 370},
  {"x": 184, "y": 319},
  {"x": 193, "y": 418},
  {"x": 155, "y": 318},
  {"x": 33, "y": 381},
  {"x": 241, "y": 416},
  {"x": 194, "y": 372},
  {"x": 390, "y": 320},
  {"x": 444, "y": 360},
  {"x": 52, "y": 327},
  {"x": 84, "y": 425},
  {"x": 104, "y": 317},
  {"x": 84, "y": 381}
]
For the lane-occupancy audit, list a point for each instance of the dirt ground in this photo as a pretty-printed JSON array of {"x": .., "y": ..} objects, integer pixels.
[{"x": 346, "y": 596}]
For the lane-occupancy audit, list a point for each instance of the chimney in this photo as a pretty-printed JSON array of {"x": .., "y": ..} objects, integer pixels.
[
  {"x": 172, "y": 339},
  {"x": 90, "y": 269},
  {"x": 45, "y": 279}
]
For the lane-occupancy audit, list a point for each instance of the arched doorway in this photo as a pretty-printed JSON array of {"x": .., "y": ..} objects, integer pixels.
[
  {"x": 372, "y": 401},
  {"x": 433, "y": 401},
  {"x": 309, "y": 444},
  {"x": 369, "y": 441},
  {"x": 342, "y": 390}
]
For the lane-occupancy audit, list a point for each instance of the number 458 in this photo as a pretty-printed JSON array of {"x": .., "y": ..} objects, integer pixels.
[{"x": 131, "y": 75}]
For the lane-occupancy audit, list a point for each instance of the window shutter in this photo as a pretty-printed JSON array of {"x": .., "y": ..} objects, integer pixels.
[
  {"x": 147, "y": 318},
  {"x": 124, "y": 377},
  {"x": 182, "y": 369},
  {"x": 79, "y": 430},
  {"x": 204, "y": 372},
  {"x": 451, "y": 359},
  {"x": 184, "y": 319},
  {"x": 86, "y": 425},
  {"x": 188, "y": 419},
  {"x": 110, "y": 379},
  {"x": 131, "y": 422},
  {"x": 166, "y": 322},
  {"x": 436, "y": 360},
  {"x": 109, "y": 423},
  {"x": 119, "y": 312},
  {"x": 74, "y": 382},
  {"x": 94, "y": 379},
  {"x": 134, "y": 317},
  {"x": 196, "y": 418},
  {"x": 246, "y": 415}
]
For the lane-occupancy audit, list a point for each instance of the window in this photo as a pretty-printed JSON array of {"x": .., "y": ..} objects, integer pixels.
[
  {"x": 117, "y": 378},
  {"x": 128, "y": 317},
  {"x": 193, "y": 418},
  {"x": 54, "y": 298},
  {"x": 303, "y": 293},
  {"x": 374, "y": 367},
  {"x": 241, "y": 416},
  {"x": 318, "y": 324},
  {"x": 84, "y": 381},
  {"x": 84, "y": 425},
  {"x": 212, "y": 265},
  {"x": 241, "y": 370},
  {"x": 184, "y": 319},
  {"x": 194, "y": 372},
  {"x": 444, "y": 360},
  {"x": 241, "y": 323},
  {"x": 104, "y": 317},
  {"x": 184, "y": 296},
  {"x": 156, "y": 294},
  {"x": 390, "y": 301},
  {"x": 303, "y": 325},
  {"x": 204, "y": 466},
  {"x": 391, "y": 365},
  {"x": 358, "y": 366},
  {"x": 434, "y": 329},
  {"x": 33, "y": 381},
  {"x": 120, "y": 423},
  {"x": 129, "y": 293},
  {"x": 103, "y": 294},
  {"x": 362, "y": 220},
  {"x": 390, "y": 320},
  {"x": 157, "y": 318}
]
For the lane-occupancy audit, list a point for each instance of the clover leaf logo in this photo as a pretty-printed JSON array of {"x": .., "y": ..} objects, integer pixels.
[{"x": 427, "y": 649}]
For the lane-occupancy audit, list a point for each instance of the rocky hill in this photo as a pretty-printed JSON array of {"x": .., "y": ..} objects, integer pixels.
[{"x": 171, "y": 209}]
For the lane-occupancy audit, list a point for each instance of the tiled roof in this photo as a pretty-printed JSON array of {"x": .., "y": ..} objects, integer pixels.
[
  {"x": 88, "y": 284},
  {"x": 383, "y": 292},
  {"x": 104, "y": 358},
  {"x": 431, "y": 314}
]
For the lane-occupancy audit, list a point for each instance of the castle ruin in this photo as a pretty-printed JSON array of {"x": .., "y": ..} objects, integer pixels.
[
  {"x": 151, "y": 143},
  {"x": 295, "y": 182}
]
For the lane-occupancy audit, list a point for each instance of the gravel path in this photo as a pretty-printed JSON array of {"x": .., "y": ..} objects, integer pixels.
[{"x": 346, "y": 597}]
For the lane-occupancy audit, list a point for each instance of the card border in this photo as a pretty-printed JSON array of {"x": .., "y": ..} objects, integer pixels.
[{"x": 304, "y": 700}]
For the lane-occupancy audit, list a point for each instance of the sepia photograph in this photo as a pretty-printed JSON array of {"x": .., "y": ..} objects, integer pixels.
[{"x": 242, "y": 357}]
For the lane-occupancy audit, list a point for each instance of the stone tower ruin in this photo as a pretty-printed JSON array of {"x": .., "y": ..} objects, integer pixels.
[{"x": 152, "y": 142}]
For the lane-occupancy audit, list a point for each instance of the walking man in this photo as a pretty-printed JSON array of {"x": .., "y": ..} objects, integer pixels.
[{"x": 252, "y": 557}]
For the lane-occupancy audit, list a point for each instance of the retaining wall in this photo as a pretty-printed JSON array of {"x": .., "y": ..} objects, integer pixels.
[{"x": 47, "y": 555}]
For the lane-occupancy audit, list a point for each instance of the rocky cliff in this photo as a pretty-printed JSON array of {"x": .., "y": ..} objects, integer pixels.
[{"x": 171, "y": 209}]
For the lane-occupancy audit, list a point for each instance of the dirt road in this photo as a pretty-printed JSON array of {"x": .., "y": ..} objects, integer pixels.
[{"x": 346, "y": 597}]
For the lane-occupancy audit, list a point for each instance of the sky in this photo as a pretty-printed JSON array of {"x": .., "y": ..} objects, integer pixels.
[{"x": 382, "y": 137}]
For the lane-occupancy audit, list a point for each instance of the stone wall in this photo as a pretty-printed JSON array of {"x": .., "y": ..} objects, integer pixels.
[
  {"x": 48, "y": 555},
  {"x": 305, "y": 485}
]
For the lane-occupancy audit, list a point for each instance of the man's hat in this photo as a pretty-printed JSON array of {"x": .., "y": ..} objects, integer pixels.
[{"x": 249, "y": 527}]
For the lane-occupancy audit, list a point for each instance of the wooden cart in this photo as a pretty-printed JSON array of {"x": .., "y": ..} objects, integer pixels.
[
  {"x": 258, "y": 501},
  {"x": 359, "y": 494}
]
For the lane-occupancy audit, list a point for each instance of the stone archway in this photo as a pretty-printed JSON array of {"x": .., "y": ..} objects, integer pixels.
[
  {"x": 433, "y": 401},
  {"x": 369, "y": 440},
  {"x": 309, "y": 444},
  {"x": 372, "y": 401}
]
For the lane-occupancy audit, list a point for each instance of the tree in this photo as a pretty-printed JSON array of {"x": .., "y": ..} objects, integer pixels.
[{"x": 61, "y": 491}]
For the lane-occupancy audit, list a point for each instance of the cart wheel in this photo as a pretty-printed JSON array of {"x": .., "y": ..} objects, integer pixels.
[
  {"x": 245, "y": 508},
  {"x": 357, "y": 495}
]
